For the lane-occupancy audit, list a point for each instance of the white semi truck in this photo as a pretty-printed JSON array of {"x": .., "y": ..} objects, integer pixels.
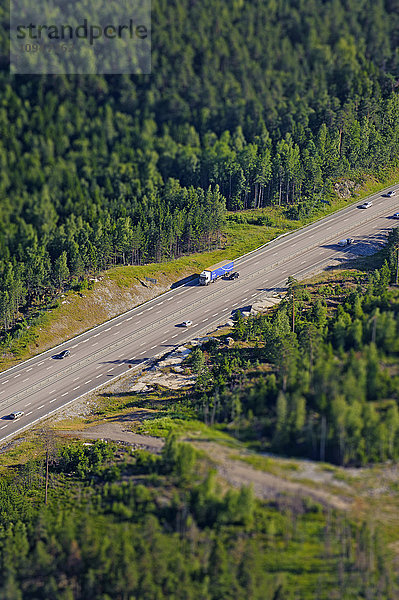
[{"x": 213, "y": 273}]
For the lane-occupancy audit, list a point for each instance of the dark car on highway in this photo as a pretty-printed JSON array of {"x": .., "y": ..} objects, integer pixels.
[
  {"x": 234, "y": 275},
  {"x": 64, "y": 354}
]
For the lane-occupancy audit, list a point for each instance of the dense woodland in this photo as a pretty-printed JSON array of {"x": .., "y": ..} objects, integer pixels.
[
  {"x": 248, "y": 104},
  {"x": 322, "y": 383},
  {"x": 129, "y": 526}
]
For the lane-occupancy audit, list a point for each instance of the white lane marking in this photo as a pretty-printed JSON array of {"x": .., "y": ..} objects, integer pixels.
[
  {"x": 29, "y": 413},
  {"x": 6, "y": 381},
  {"x": 4, "y": 426},
  {"x": 118, "y": 324},
  {"x": 150, "y": 307},
  {"x": 285, "y": 270},
  {"x": 84, "y": 341},
  {"x": 40, "y": 363},
  {"x": 76, "y": 378},
  {"x": 53, "y": 400},
  {"x": 226, "y": 301},
  {"x": 27, "y": 379},
  {"x": 152, "y": 347},
  {"x": 158, "y": 311},
  {"x": 29, "y": 403},
  {"x": 120, "y": 355},
  {"x": 19, "y": 374},
  {"x": 66, "y": 393},
  {"x": 142, "y": 353},
  {"x": 133, "y": 357},
  {"x": 258, "y": 261},
  {"x": 97, "y": 376},
  {"x": 2, "y": 392},
  {"x": 163, "y": 341},
  {"x": 52, "y": 392},
  {"x": 173, "y": 336},
  {"x": 76, "y": 388},
  {"x": 303, "y": 262},
  {"x": 30, "y": 369},
  {"x": 235, "y": 304},
  {"x": 203, "y": 321},
  {"x": 116, "y": 332},
  {"x": 179, "y": 301},
  {"x": 160, "y": 303},
  {"x": 246, "y": 298},
  {"x": 39, "y": 407},
  {"x": 47, "y": 368},
  {"x": 140, "y": 313},
  {"x": 95, "y": 344},
  {"x": 109, "y": 329},
  {"x": 97, "y": 334},
  {"x": 329, "y": 227},
  {"x": 252, "y": 295},
  {"x": 129, "y": 319},
  {"x": 75, "y": 346},
  {"x": 215, "y": 315},
  {"x": 88, "y": 381}
]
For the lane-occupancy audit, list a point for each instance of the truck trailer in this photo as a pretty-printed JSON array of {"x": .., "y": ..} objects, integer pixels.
[{"x": 219, "y": 270}]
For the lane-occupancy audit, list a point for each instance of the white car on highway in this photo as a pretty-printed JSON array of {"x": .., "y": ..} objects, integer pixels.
[
  {"x": 346, "y": 242},
  {"x": 16, "y": 415},
  {"x": 366, "y": 205},
  {"x": 187, "y": 323}
]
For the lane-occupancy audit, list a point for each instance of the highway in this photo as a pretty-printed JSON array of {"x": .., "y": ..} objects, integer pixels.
[{"x": 44, "y": 384}]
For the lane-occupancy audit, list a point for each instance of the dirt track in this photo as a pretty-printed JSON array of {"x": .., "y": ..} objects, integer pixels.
[
  {"x": 265, "y": 485},
  {"x": 116, "y": 432}
]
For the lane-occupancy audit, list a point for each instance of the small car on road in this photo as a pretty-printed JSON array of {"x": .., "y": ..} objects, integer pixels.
[
  {"x": 346, "y": 242},
  {"x": 234, "y": 275},
  {"x": 16, "y": 415},
  {"x": 390, "y": 194},
  {"x": 187, "y": 323},
  {"x": 395, "y": 216},
  {"x": 366, "y": 205},
  {"x": 64, "y": 354}
]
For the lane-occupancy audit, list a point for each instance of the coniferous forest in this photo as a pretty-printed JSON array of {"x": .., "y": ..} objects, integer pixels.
[
  {"x": 123, "y": 525},
  {"x": 267, "y": 103},
  {"x": 248, "y": 105}
]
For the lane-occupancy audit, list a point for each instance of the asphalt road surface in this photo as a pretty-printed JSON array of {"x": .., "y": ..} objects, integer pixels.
[{"x": 42, "y": 385}]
